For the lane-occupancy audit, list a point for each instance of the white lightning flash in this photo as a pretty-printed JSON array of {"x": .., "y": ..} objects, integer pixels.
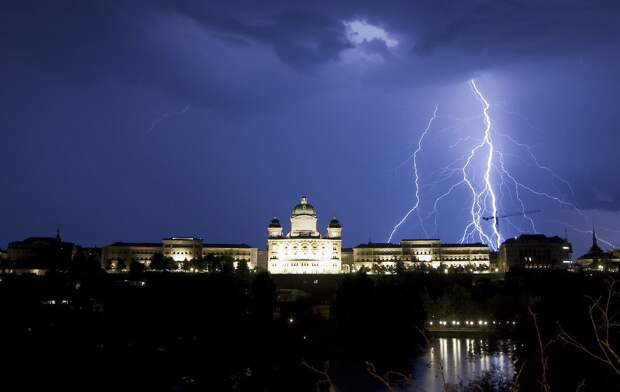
[
  {"x": 479, "y": 198},
  {"x": 165, "y": 116},
  {"x": 482, "y": 172},
  {"x": 417, "y": 176}
]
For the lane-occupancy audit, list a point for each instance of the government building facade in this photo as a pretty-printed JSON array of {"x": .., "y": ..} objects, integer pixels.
[
  {"x": 304, "y": 250},
  {"x": 419, "y": 253},
  {"x": 178, "y": 249}
]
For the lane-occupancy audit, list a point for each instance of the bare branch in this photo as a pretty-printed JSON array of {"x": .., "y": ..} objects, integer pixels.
[
  {"x": 326, "y": 378},
  {"x": 543, "y": 359},
  {"x": 385, "y": 379},
  {"x": 602, "y": 323}
]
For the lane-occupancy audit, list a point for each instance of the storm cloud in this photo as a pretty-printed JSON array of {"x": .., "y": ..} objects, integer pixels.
[{"x": 286, "y": 99}]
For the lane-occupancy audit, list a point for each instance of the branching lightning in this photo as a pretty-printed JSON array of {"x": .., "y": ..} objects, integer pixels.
[
  {"x": 479, "y": 198},
  {"x": 482, "y": 173},
  {"x": 165, "y": 116},
  {"x": 416, "y": 174}
]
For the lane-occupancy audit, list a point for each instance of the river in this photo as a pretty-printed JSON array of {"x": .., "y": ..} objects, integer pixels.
[{"x": 456, "y": 360}]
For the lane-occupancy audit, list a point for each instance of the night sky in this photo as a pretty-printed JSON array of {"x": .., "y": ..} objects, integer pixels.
[{"x": 137, "y": 120}]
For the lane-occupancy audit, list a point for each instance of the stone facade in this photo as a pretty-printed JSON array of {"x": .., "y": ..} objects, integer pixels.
[
  {"x": 179, "y": 249},
  {"x": 534, "y": 251},
  {"x": 420, "y": 253},
  {"x": 304, "y": 250}
]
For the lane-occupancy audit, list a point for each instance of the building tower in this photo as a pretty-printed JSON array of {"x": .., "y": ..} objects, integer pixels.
[
  {"x": 334, "y": 230},
  {"x": 275, "y": 229},
  {"x": 303, "y": 220}
]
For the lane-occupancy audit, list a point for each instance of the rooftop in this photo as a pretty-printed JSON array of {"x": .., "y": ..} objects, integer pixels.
[
  {"x": 378, "y": 245},
  {"x": 246, "y": 246},
  {"x": 138, "y": 244}
]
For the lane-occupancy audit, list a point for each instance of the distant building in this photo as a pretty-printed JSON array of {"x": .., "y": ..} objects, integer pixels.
[
  {"x": 261, "y": 260},
  {"x": 38, "y": 254},
  {"x": 372, "y": 254},
  {"x": 178, "y": 248},
  {"x": 346, "y": 257},
  {"x": 3, "y": 255},
  {"x": 93, "y": 253},
  {"x": 238, "y": 252},
  {"x": 304, "y": 250},
  {"x": 534, "y": 251},
  {"x": 182, "y": 248},
  {"x": 494, "y": 261},
  {"x": 127, "y": 252},
  {"x": 414, "y": 253},
  {"x": 598, "y": 260}
]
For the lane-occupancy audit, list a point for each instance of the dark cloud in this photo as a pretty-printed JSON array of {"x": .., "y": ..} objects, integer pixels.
[
  {"x": 282, "y": 103},
  {"x": 89, "y": 40}
]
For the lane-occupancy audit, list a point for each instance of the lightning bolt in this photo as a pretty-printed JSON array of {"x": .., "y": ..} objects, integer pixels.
[
  {"x": 478, "y": 173},
  {"x": 165, "y": 116},
  {"x": 479, "y": 198},
  {"x": 417, "y": 175}
]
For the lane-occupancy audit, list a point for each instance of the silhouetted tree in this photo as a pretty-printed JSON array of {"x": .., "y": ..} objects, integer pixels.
[
  {"x": 169, "y": 264},
  {"x": 136, "y": 267},
  {"x": 242, "y": 271},
  {"x": 121, "y": 265},
  {"x": 82, "y": 266},
  {"x": 187, "y": 265},
  {"x": 378, "y": 268},
  {"x": 228, "y": 266},
  {"x": 107, "y": 264},
  {"x": 199, "y": 264},
  {"x": 400, "y": 267},
  {"x": 263, "y": 291},
  {"x": 157, "y": 261},
  {"x": 214, "y": 264}
]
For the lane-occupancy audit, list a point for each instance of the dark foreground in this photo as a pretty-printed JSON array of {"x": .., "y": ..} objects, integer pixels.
[{"x": 229, "y": 331}]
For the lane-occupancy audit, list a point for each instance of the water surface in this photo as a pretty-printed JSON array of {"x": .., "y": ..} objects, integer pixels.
[{"x": 457, "y": 360}]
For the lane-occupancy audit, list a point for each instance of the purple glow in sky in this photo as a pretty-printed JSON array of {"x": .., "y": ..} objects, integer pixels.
[{"x": 324, "y": 98}]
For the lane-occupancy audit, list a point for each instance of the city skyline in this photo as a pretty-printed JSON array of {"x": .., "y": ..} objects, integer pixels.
[{"x": 148, "y": 120}]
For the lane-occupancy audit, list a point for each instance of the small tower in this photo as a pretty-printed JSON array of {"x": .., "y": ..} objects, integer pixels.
[
  {"x": 334, "y": 229},
  {"x": 275, "y": 229},
  {"x": 595, "y": 248}
]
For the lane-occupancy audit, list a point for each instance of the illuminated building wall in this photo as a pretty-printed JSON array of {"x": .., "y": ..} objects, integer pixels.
[
  {"x": 179, "y": 249},
  {"x": 365, "y": 255},
  {"x": 304, "y": 250},
  {"x": 129, "y": 251},
  {"x": 534, "y": 251},
  {"x": 182, "y": 248},
  {"x": 238, "y": 252},
  {"x": 346, "y": 257},
  {"x": 415, "y": 253}
]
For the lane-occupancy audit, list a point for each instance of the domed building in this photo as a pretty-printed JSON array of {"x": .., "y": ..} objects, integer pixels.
[{"x": 304, "y": 250}]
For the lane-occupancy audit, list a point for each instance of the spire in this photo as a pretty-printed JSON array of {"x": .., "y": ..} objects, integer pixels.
[
  {"x": 58, "y": 233},
  {"x": 595, "y": 248},
  {"x": 594, "y": 242}
]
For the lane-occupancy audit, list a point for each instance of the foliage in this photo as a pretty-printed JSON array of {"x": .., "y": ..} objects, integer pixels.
[
  {"x": 136, "y": 267},
  {"x": 228, "y": 265},
  {"x": 157, "y": 262},
  {"x": 121, "y": 265},
  {"x": 242, "y": 271}
]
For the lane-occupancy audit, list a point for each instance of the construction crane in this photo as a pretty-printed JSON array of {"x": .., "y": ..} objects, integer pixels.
[{"x": 496, "y": 218}]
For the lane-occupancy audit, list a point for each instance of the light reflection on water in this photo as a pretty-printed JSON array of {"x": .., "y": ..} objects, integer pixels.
[{"x": 460, "y": 360}]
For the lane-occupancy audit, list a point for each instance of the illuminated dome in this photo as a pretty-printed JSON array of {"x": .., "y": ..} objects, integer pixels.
[
  {"x": 303, "y": 208},
  {"x": 334, "y": 223}
]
